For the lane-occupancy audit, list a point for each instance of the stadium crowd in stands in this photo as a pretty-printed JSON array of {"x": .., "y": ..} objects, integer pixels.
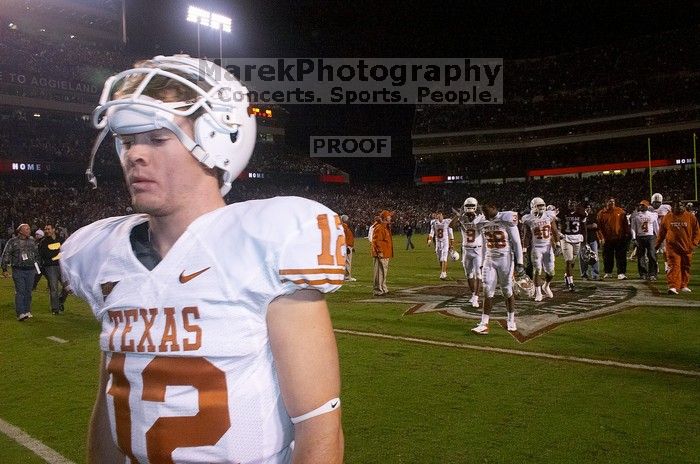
[
  {"x": 69, "y": 202},
  {"x": 647, "y": 73}
]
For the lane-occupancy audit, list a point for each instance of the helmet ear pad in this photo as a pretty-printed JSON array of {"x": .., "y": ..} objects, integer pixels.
[{"x": 221, "y": 146}]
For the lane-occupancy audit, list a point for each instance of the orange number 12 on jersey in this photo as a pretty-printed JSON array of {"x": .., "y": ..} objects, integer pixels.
[{"x": 326, "y": 258}]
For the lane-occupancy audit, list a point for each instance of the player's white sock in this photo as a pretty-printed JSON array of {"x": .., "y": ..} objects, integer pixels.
[
  {"x": 538, "y": 291},
  {"x": 485, "y": 319},
  {"x": 511, "y": 316}
]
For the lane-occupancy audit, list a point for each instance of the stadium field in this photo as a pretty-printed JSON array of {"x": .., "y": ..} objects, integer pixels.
[{"x": 619, "y": 383}]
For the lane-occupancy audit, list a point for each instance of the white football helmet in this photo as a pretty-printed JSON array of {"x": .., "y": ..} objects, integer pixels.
[
  {"x": 657, "y": 198},
  {"x": 470, "y": 205},
  {"x": 454, "y": 254},
  {"x": 524, "y": 287},
  {"x": 224, "y": 134},
  {"x": 538, "y": 206}
]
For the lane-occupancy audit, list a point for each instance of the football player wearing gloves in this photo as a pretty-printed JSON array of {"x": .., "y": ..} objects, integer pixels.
[
  {"x": 466, "y": 219},
  {"x": 540, "y": 233},
  {"x": 502, "y": 250},
  {"x": 223, "y": 304}
]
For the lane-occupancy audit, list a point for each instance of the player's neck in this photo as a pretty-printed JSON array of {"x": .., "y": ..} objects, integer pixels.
[{"x": 165, "y": 230}]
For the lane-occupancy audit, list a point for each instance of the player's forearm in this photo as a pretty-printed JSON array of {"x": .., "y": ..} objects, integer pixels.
[{"x": 319, "y": 440}]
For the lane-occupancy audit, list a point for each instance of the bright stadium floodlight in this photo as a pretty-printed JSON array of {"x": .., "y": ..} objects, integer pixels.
[
  {"x": 220, "y": 22},
  {"x": 198, "y": 15},
  {"x": 213, "y": 20}
]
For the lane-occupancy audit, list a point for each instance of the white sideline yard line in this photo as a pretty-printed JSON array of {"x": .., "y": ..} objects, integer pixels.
[
  {"x": 596, "y": 362},
  {"x": 32, "y": 444},
  {"x": 57, "y": 340}
]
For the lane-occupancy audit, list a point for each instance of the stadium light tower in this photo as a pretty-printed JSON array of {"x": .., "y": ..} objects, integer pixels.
[{"x": 213, "y": 20}]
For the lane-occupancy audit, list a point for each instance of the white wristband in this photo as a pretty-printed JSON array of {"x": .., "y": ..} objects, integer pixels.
[{"x": 331, "y": 405}]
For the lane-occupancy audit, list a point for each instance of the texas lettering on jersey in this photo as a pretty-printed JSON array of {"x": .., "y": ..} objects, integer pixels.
[{"x": 179, "y": 330}]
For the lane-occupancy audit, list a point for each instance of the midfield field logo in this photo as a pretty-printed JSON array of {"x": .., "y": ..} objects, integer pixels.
[{"x": 535, "y": 318}]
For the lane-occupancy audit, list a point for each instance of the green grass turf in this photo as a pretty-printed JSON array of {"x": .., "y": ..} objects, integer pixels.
[{"x": 410, "y": 403}]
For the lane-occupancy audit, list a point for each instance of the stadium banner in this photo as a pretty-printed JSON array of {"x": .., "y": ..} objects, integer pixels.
[
  {"x": 346, "y": 81},
  {"x": 11, "y": 167},
  {"x": 46, "y": 82}
]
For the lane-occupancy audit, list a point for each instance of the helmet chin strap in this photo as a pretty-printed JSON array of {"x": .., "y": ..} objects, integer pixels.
[{"x": 92, "y": 180}]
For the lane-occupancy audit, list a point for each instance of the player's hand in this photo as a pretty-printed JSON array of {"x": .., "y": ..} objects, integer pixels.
[{"x": 519, "y": 270}]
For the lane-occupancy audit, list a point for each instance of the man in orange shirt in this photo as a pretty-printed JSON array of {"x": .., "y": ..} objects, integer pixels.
[
  {"x": 614, "y": 234},
  {"x": 382, "y": 251},
  {"x": 680, "y": 230},
  {"x": 349, "y": 248}
]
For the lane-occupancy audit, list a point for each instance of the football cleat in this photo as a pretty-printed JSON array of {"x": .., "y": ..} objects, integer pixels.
[
  {"x": 547, "y": 291},
  {"x": 621, "y": 277},
  {"x": 538, "y": 294},
  {"x": 672, "y": 291},
  {"x": 686, "y": 290},
  {"x": 443, "y": 275},
  {"x": 511, "y": 326},
  {"x": 475, "y": 301},
  {"x": 481, "y": 329}
]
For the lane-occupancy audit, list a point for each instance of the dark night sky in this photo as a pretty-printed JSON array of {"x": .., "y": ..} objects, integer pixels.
[{"x": 375, "y": 28}]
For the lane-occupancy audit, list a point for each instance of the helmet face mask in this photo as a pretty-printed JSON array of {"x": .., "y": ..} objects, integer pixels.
[
  {"x": 470, "y": 205},
  {"x": 538, "y": 206},
  {"x": 224, "y": 132}
]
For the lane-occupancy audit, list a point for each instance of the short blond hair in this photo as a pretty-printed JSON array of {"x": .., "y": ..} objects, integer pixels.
[{"x": 160, "y": 87}]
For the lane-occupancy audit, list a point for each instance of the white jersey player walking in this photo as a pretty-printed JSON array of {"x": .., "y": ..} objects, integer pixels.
[
  {"x": 216, "y": 342},
  {"x": 472, "y": 242},
  {"x": 502, "y": 249},
  {"x": 540, "y": 233},
  {"x": 441, "y": 233},
  {"x": 661, "y": 209}
]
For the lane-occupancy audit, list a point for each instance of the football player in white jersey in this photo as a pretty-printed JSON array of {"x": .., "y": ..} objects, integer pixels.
[
  {"x": 501, "y": 249},
  {"x": 661, "y": 209},
  {"x": 540, "y": 234},
  {"x": 443, "y": 236},
  {"x": 472, "y": 242},
  {"x": 217, "y": 346}
]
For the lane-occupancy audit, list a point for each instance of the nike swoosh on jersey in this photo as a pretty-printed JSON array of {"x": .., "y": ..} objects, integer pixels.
[{"x": 186, "y": 278}]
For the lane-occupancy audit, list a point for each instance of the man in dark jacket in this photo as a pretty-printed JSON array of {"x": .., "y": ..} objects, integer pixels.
[{"x": 49, "y": 250}]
